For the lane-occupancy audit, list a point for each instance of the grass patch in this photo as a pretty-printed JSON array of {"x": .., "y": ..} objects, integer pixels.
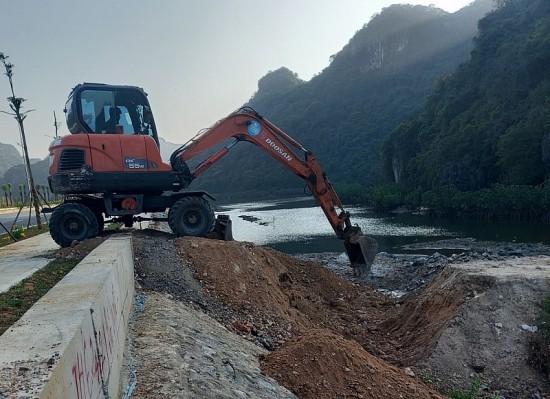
[
  {"x": 5, "y": 239},
  {"x": 15, "y": 302},
  {"x": 114, "y": 226},
  {"x": 476, "y": 390},
  {"x": 473, "y": 391}
]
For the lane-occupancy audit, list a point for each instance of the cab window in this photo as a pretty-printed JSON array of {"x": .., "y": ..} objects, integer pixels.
[{"x": 123, "y": 112}]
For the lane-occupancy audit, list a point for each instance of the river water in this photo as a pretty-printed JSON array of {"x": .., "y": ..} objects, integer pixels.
[{"x": 298, "y": 225}]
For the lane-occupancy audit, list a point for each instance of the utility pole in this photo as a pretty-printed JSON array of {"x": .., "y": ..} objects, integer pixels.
[{"x": 16, "y": 105}]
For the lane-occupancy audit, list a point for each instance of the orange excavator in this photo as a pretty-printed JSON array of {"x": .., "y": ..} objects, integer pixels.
[{"x": 110, "y": 167}]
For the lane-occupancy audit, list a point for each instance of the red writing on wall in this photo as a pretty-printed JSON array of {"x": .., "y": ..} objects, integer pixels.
[{"x": 90, "y": 369}]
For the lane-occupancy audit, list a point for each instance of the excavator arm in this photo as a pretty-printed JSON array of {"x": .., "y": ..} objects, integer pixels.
[{"x": 247, "y": 125}]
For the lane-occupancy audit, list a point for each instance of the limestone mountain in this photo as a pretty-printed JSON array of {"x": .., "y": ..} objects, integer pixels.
[
  {"x": 9, "y": 156},
  {"x": 12, "y": 168},
  {"x": 348, "y": 110},
  {"x": 16, "y": 174},
  {"x": 277, "y": 82}
]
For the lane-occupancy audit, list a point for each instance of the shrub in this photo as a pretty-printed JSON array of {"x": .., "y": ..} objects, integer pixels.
[{"x": 18, "y": 232}]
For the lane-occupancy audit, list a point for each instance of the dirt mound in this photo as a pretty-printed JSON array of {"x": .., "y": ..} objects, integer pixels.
[
  {"x": 424, "y": 315},
  {"x": 463, "y": 329},
  {"x": 80, "y": 249},
  {"x": 490, "y": 336},
  {"x": 320, "y": 364},
  {"x": 280, "y": 298}
]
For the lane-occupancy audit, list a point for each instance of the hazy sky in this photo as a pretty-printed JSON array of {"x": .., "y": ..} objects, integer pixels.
[{"x": 198, "y": 60}]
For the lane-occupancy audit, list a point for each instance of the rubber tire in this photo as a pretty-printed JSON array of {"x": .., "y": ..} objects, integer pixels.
[
  {"x": 72, "y": 222},
  {"x": 191, "y": 216}
]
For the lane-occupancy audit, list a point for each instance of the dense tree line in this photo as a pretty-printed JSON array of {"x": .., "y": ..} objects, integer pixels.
[
  {"x": 500, "y": 201},
  {"x": 489, "y": 122}
]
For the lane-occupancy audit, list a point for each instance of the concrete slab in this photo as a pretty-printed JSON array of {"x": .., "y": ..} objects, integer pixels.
[
  {"x": 70, "y": 344},
  {"x": 21, "y": 259}
]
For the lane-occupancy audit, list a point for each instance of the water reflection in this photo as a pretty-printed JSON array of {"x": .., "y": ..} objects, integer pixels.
[{"x": 298, "y": 225}]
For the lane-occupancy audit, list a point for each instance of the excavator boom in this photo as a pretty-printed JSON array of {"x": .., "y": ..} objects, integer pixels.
[{"x": 247, "y": 125}]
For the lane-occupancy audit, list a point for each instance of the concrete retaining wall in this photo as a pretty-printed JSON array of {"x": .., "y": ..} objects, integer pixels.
[{"x": 70, "y": 344}]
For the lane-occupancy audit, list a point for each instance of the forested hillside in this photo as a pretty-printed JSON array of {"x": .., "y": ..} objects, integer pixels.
[
  {"x": 490, "y": 121},
  {"x": 9, "y": 156},
  {"x": 345, "y": 113},
  {"x": 15, "y": 179}
]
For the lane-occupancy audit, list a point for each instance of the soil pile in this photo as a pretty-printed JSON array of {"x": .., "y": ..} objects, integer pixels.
[
  {"x": 281, "y": 296},
  {"x": 277, "y": 292},
  {"x": 330, "y": 337},
  {"x": 490, "y": 337},
  {"x": 321, "y": 364},
  {"x": 277, "y": 297},
  {"x": 80, "y": 249}
]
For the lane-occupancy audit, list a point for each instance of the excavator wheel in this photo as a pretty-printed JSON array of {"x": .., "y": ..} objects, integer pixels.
[
  {"x": 191, "y": 216},
  {"x": 72, "y": 222}
]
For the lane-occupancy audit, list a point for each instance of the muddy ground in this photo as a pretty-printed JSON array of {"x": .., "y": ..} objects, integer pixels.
[{"x": 417, "y": 327}]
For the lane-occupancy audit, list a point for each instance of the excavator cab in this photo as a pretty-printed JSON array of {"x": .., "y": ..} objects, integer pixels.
[
  {"x": 113, "y": 146},
  {"x": 105, "y": 109}
]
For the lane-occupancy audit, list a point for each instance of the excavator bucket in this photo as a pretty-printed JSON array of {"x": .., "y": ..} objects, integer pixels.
[{"x": 361, "y": 250}]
